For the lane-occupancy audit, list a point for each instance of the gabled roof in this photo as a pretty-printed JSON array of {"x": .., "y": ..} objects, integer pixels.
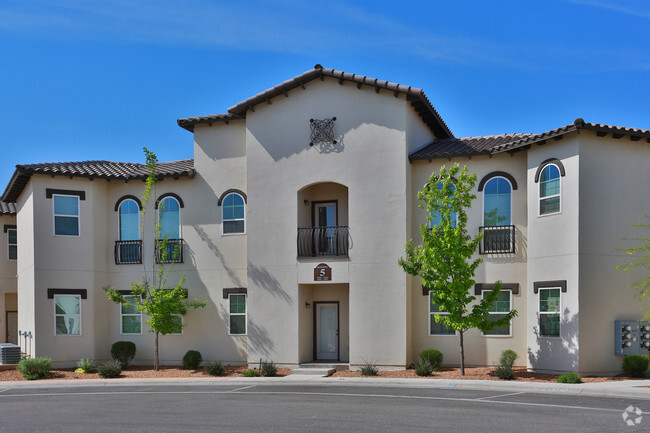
[
  {"x": 415, "y": 96},
  {"x": 95, "y": 170},
  {"x": 492, "y": 144},
  {"x": 7, "y": 208}
]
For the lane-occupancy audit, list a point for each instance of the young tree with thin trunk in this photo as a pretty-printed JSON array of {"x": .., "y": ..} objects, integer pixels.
[
  {"x": 444, "y": 259},
  {"x": 162, "y": 304},
  {"x": 641, "y": 255}
]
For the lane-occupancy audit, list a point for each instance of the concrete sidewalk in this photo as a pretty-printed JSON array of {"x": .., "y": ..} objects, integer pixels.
[{"x": 639, "y": 389}]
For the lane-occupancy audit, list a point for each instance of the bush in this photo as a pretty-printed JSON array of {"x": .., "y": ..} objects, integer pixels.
[
  {"x": 506, "y": 362},
  {"x": 214, "y": 368},
  {"x": 123, "y": 351},
  {"x": 636, "y": 365},
  {"x": 423, "y": 368},
  {"x": 251, "y": 373},
  {"x": 35, "y": 368},
  {"x": 192, "y": 359},
  {"x": 434, "y": 357},
  {"x": 569, "y": 378},
  {"x": 110, "y": 369},
  {"x": 87, "y": 365},
  {"x": 369, "y": 369},
  {"x": 268, "y": 369}
]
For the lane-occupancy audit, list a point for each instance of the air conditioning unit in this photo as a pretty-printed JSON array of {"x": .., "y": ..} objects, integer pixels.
[{"x": 9, "y": 353}]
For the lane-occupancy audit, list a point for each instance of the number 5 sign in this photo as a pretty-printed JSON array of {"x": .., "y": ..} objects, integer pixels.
[{"x": 322, "y": 272}]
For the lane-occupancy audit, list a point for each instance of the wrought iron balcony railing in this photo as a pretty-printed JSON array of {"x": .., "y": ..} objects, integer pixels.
[
  {"x": 169, "y": 251},
  {"x": 323, "y": 241},
  {"x": 497, "y": 239},
  {"x": 128, "y": 252}
]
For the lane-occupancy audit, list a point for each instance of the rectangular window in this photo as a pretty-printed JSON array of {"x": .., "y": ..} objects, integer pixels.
[
  {"x": 499, "y": 308},
  {"x": 237, "y": 314},
  {"x": 67, "y": 314},
  {"x": 130, "y": 317},
  {"x": 549, "y": 312},
  {"x": 12, "y": 243},
  {"x": 178, "y": 323},
  {"x": 436, "y": 328},
  {"x": 66, "y": 215}
]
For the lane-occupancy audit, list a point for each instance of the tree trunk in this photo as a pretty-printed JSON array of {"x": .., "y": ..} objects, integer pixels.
[
  {"x": 155, "y": 352},
  {"x": 462, "y": 355}
]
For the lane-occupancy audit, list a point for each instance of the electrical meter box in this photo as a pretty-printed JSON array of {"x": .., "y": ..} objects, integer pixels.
[{"x": 631, "y": 337}]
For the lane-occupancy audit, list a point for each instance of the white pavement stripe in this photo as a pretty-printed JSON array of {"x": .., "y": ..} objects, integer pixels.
[
  {"x": 242, "y": 388},
  {"x": 321, "y": 394},
  {"x": 501, "y": 395}
]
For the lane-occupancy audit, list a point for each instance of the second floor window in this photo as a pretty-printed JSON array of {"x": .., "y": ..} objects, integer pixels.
[
  {"x": 549, "y": 190},
  {"x": 232, "y": 212},
  {"x": 497, "y": 202},
  {"x": 436, "y": 219},
  {"x": 66, "y": 215},
  {"x": 169, "y": 212},
  {"x": 129, "y": 221},
  {"x": 12, "y": 244}
]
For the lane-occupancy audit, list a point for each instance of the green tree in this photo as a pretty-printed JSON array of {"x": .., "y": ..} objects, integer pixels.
[
  {"x": 444, "y": 258},
  {"x": 641, "y": 255},
  {"x": 162, "y": 304}
]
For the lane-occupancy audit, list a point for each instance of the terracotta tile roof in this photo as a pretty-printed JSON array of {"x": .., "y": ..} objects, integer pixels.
[
  {"x": 491, "y": 144},
  {"x": 415, "y": 96},
  {"x": 94, "y": 170},
  {"x": 7, "y": 208}
]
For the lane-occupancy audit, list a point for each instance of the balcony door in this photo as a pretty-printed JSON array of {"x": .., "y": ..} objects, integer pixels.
[{"x": 325, "y": 219}]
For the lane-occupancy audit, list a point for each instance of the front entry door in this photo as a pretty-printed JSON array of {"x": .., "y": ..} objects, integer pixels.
[
  {"x": 12, "y": 327},
  {"x": 327, "y": 330}
]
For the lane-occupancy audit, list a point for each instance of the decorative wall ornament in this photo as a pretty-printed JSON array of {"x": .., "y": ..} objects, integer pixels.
[{"x": 322, "y": 131}]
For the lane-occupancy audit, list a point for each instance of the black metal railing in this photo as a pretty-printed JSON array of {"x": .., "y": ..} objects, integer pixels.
[
  {"x": 128, "y": 252},
  {"x": 169, "y": 251},
  {"x": 323, "y": 241},
  {"x": 497, "y": 239}
]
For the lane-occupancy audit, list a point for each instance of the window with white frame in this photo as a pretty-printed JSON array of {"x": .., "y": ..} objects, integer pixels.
[
  {"x": 497, "y": 202},
  {"x": 436, "y": 219},
  {"x": 12, "y": 244},
  {"x": 66, "y": 215},
  {"x": 130, "y": 316},
  {"x": 67, "y": 314},
  {"x": 549, "y": 190},
  {"x": 549, "y": 312},
  {"x": 237, "y": 314},
  {"x": 232, "y": 212},
  {"x": 436, "y": 328},
  {"x": 501, "y": 306},
  {"x": 178, "y": 325},
  {"x": 169, "y": 212}
]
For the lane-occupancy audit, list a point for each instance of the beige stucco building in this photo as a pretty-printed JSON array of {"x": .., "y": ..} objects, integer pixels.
[{"x": 290, "y": 220}]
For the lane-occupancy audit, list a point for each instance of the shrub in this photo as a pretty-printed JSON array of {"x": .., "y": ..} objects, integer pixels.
[
  {"x": 110, "y": 369},
  {"x": 506, "y": 362},
  {"x": 569, "y": 378},
  {"x": 369, "y": 369},
  {"x": 636, "y": 365},
  {"x": 123, "y": 351},
  {"x": 35, "y": 368},
  {"x": 86, "y": 364},
  {"x": 268, "y": 369},
  {"x": 434, "y": 357},
  {"x": 251, "y": 373},
  {"x": 214, "y": 368},
  {"x": 423, "y": 368},
  {"x": 192, "y": 359}
]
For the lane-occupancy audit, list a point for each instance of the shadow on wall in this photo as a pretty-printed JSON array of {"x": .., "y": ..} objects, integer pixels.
[
  {"x": 259, "y": 340},
  {"x": 266, "y": 281},
  {"x": 559, "y": 354},
  {"x": 521, "y": 251},
  {"x": 328, "y": 147},
  {"x": 205, "y": 238}
]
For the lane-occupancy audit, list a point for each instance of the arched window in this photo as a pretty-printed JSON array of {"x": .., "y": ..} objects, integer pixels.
[
  {"x": 497, "y": 202},
  {"x": 169, "y": 212},
  {"x": 232, "y": 213},
  {"x": 129, "y": 220},
  {"x": 549, "y": 190},
  {"x": 436, "y": 219}
]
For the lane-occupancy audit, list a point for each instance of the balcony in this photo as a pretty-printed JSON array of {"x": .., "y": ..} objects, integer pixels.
[
  {"x": 169, "y": 251},
  {"x": 323, "y": 241},
  {"x": 497, "y": 239},
  {"x": 128, "y": 252}
]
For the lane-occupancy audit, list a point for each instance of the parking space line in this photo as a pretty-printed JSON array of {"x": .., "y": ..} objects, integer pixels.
[
  {"x": 502, "y": 395},
  {"x": 242, "y": 388}
]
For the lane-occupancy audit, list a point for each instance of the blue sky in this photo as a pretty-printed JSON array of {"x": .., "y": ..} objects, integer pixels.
[{"x": 86, "y": 79}]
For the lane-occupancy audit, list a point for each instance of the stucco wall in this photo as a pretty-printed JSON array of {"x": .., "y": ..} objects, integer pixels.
[{"x": 8, "y": 281}]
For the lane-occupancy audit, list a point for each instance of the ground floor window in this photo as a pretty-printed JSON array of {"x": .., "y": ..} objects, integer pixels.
[
  {"x": 130, "y": 317},
  {"x": 67, "y": 314},
  {"x": 436, "y": 328},
  {"x": 237, "y": 314},
  {"x": 500, "y": 308},
  {"x": 178, "y": 325},
  {"x": 549, "y": 312}
]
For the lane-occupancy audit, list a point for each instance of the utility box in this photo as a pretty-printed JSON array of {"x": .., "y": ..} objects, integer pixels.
[
  {"x": 9, "y": 353},
  {"x": 632, "y": 337}
]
